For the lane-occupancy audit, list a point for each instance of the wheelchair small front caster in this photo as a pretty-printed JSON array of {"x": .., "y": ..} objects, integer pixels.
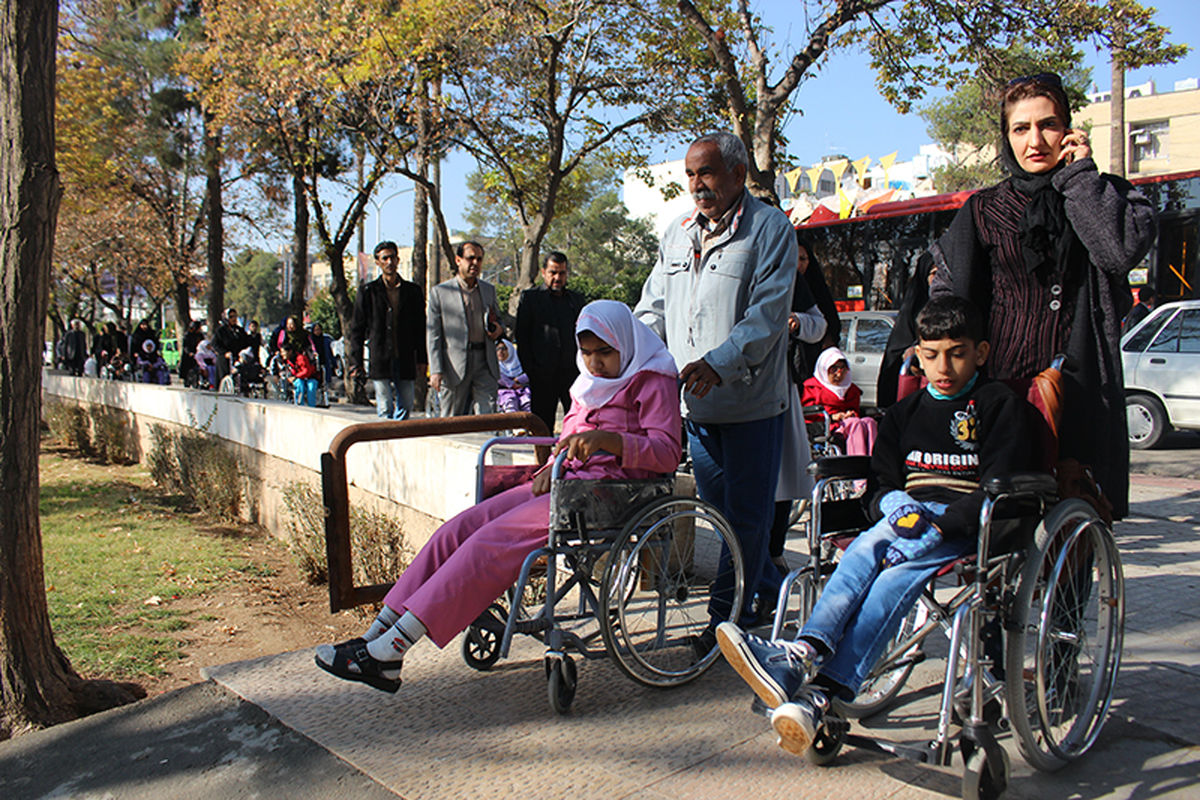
[
  {"x": 562, "y": 682},
  {"x": 828, "y": 741},
  {"x": 481, "y": 644},
  {"x": 985, "y": 778}
]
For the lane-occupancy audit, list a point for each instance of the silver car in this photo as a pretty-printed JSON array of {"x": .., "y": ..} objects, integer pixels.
[
  {"x": 1161, "y": 358},
  {"x": 863, "y": 340}
]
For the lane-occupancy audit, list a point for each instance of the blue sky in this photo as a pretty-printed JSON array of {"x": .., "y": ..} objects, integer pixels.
[{"x": 842, "y": 112}]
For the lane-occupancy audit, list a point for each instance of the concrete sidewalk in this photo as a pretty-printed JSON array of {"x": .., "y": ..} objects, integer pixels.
[{"x": 278, "y": 727}]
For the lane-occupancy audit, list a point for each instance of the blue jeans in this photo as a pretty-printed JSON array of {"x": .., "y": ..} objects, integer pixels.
[
  {"x": 862, "y": 606},
  {"x": 394, "y": 396},
  {"x": 736, "y": 466},
  {"x": 306, "y": 391}
]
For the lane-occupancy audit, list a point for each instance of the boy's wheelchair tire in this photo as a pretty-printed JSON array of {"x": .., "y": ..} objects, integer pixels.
[
  {"x": 1064, "y": 636},
  {"x": 828, "y": 741},
  {"x": 983, "y": 777},
  {"x": 657, "y": 585}
]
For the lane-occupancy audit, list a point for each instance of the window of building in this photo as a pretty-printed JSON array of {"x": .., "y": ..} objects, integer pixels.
[{"x": 1148, "y": 140}]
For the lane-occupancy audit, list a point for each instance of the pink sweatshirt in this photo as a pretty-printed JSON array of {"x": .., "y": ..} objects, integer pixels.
[{"x": 646, "y": 414}]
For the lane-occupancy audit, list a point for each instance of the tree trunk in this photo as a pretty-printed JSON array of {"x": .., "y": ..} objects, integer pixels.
[
  {"x": 339, "y": 291},
  {"x": 183, "y": 307},
  {"x": 37, "y": 685},
  {"x": 1117, "y": 112},
  {"x": 530, "y": 263},
  {"x": 760, "y": 178},
  {"x": 35, "y": 680},
  {"x": 299, "y": 265},
  {"x": 420, "y": 193},
  {"x": 216, "y": 225},
  {"x": 360, "y": 155},
  {"x": 435, "y": 95},
  {"x": 420, "y": 252}
]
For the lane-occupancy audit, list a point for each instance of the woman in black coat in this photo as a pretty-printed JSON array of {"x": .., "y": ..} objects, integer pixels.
[{"x": 1045, "y": 254}]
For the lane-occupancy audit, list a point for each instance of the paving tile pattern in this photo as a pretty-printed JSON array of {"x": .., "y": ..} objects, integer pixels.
[{"x": 452, "y": 732}]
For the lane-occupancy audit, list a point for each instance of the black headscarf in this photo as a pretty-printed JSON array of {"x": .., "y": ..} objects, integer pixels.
[{"x": 1046, "y": 236}]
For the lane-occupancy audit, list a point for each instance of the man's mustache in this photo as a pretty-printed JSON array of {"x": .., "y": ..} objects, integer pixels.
[{"x": 704, "y": 194}]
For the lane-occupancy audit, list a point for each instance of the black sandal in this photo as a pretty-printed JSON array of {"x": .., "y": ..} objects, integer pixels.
[{"x": 369, "y": 671}]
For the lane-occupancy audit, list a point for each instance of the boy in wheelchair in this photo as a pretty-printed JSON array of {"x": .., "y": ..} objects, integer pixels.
[
  {"x": 935, "y": 449},
  {"x": 623, "y": 423}
]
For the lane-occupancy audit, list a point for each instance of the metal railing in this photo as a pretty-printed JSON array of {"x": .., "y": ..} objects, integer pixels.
[{"x": 342, "y": 591}]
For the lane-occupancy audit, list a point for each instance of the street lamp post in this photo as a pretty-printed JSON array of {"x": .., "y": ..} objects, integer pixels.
[{"x": 379, "y": 207}]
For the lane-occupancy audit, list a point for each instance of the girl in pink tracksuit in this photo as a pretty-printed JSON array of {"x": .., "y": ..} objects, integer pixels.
[{"x": 624, "y": 402}]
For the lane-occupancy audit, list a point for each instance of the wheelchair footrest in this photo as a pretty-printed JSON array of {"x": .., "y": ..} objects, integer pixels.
[{"x": 921, "y": 753}]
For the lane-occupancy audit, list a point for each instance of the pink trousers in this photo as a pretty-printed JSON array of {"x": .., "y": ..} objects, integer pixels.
[
  {"x": 860, "y": 433},
  {"x": 470, "y": 561}
]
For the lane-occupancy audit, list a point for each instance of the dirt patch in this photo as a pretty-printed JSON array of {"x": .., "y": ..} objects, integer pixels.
[{"x": 263, "y": 609}]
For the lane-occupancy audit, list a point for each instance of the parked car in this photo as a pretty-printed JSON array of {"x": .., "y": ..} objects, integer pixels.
[
  {"x": 1161, "y": 358},
  {"x": 863, "y": 340}
]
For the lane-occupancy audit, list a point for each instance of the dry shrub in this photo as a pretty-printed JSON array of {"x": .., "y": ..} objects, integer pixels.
[
  {"x": 378, "y": 546},
  {"x": 112, "y": 436},
  {"x": 200, "y": 466},
  {"x": 69, "y": 424},
  {"x": 96, "y": 432}
]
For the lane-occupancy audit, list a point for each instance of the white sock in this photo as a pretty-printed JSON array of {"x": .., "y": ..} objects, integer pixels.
[
  {"x": 386, "y": 619},
  {"x": 391, "y": 645}
]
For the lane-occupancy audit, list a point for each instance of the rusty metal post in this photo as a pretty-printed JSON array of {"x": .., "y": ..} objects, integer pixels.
[{"x": 335, "y": 490}]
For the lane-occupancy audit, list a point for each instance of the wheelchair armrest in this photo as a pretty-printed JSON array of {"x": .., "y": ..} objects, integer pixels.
[
  {"x": 840, "y": 467},
  {"x": 1041, "y": 484}
]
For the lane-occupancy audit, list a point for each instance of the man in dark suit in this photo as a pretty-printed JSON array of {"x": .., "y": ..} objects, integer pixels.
[
  {"x": 461, "y": 328},
  {"x": 389, "y": 316},
  {"x": 546, "y": 339}
]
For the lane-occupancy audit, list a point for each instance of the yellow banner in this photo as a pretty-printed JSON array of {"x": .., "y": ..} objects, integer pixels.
[
  {"x": 793, "y": 178},
  {"x": 814, "y": 175},
  {"x": 860, "y": 168},
  {"x": 886, "y": 162}
]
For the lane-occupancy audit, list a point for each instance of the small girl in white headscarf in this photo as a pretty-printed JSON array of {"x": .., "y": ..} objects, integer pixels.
[
  {"x": 624, "y": 423},
  {"x": 514, "y": 383},
  {"x": 830, "y": 386}
]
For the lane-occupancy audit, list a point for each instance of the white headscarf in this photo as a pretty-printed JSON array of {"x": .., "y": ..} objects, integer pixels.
[
  {"x": 511, "y": 366},
  {"x": 641, "y": 351},
  {"x": 830, "y": 356}
]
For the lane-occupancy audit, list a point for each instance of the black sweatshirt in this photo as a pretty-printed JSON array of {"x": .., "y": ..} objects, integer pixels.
[{"x": 942, "y": 450}]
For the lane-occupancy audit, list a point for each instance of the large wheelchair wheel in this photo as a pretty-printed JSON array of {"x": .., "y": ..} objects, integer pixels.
[
  {"x": 675, "y": 567},
  {"x": 1064, "y": 636}
]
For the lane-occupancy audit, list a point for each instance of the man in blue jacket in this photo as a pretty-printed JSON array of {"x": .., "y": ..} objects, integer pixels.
[{"x": 719, "y": 296}]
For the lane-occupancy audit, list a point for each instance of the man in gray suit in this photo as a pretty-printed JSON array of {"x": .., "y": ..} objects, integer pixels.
[{"x": 461, "y": 326}]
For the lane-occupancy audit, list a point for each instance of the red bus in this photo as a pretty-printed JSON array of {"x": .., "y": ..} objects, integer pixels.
[{"x": 868, "y": 259}]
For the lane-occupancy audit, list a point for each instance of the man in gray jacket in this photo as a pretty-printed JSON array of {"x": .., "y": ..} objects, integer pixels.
[
  {"x": 461, "y": 327},
  {"x": 719, "y": 296}
]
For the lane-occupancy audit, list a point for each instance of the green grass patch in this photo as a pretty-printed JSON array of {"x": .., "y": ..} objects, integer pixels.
[{"x": 117, "y": 555}]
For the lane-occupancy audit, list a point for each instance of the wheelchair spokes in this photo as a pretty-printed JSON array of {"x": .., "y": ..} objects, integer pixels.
[
  {"x": 1064, "y": 649},
  {"x": 660, "y": 581}
]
